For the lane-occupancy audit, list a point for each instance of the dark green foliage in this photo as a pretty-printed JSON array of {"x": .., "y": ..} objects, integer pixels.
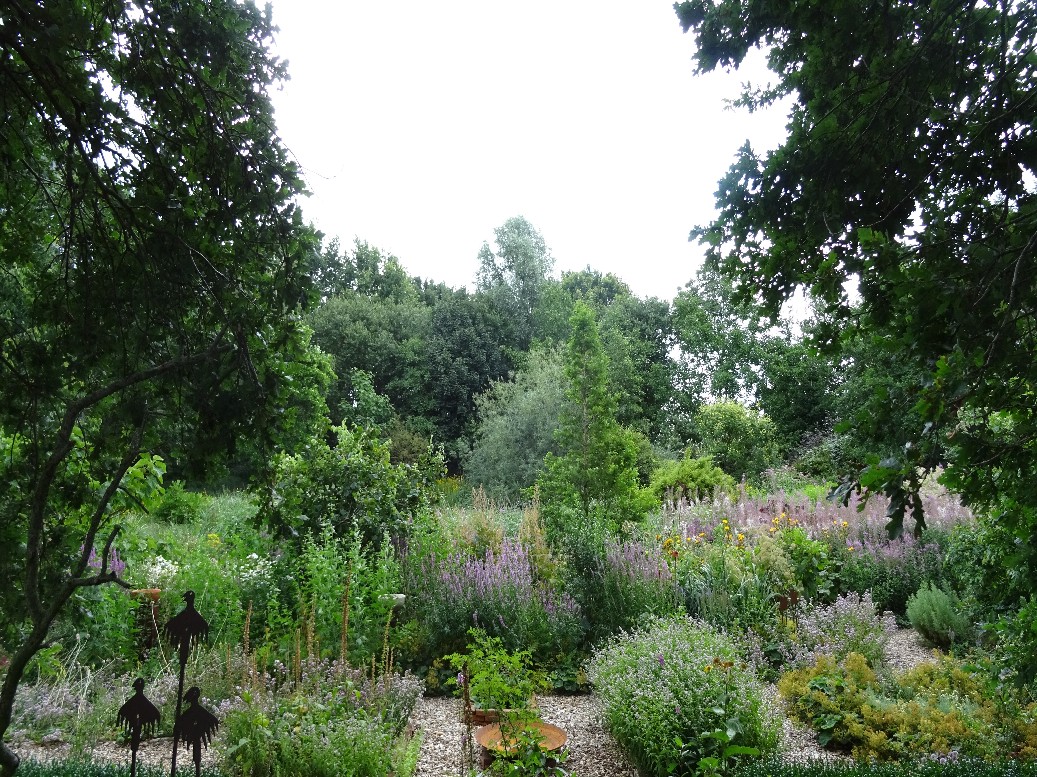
[
  {"x": 907, "y": 170},
  {"x": 936, "y": 616},
  {"x": 596, "y": 475},
  {"x": 154, "y": 267},
  {"x": 179, "y": 505},
  {"x": 352, "y": 485},
  {"x": 738, "y": 440},
  {"x": 691, "y": 480},
  {"x": 930, "y": 767}
]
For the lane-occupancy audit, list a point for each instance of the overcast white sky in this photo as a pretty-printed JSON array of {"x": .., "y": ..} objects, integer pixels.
[{"x": 421, "y": 127}]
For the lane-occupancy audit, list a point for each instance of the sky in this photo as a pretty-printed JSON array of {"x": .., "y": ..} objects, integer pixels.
[{"x": 421, "y": 127}]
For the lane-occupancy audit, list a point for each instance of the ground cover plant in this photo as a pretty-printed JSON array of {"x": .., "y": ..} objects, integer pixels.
[
  {"x": 942, "y": 709},
  {"x": 929, "y": 767}
]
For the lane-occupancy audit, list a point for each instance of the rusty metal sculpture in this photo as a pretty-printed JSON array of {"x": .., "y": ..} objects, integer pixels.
[
  {"x": 138, "y": 717},
  {"x": 184, "y": 630},
  {"x": 196, "y": 727}
]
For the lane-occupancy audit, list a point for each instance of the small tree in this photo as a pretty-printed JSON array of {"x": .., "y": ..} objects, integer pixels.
[
  {"x": 595, "y": 478},
  {"x": 740, "y": 442}
]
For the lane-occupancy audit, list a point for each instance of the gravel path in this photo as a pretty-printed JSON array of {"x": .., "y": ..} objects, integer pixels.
[{"x": 592, "y": 752}]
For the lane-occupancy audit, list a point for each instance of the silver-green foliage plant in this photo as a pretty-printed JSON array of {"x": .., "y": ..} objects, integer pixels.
[
  {"x": 517, "y": 422},
  {"x": 678, "y": 699},
  {"x": 934, "y": 615}
]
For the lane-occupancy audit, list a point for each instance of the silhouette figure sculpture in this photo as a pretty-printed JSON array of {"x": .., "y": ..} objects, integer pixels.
[
  {"x": 196, "y": 727},
  {"x": 138, "y": 717},
  {"x": 184, "y": 630}
]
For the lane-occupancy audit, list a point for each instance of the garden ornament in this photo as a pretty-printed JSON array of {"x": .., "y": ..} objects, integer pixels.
[
  {"x": 138, "y": 717},
  {"x": 184, "y": 630},
  {"x": 196, "y": 727}
]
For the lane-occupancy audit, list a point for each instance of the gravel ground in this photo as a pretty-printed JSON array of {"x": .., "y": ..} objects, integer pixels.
[{"x": 592, "y": 752}]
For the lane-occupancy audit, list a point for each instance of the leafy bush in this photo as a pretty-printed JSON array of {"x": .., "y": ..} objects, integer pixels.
[
  {"x": 937, "y": 709},
  {"x": 691, "y": 480},
  {"x": 933, "y": 614},
  {"x": 849, "y": 625},
  {"x": 619, "y": 584},
  {"x": 724, "y": 582},
  {"x": 331, "y": 568},
  {"x": 179, "y": 506},
  {"x": 677, "y": 701},
  {"x": 497, "y": 679},
  {"x": 742, "y": 443},
  {"x": 351, "y": 485}
]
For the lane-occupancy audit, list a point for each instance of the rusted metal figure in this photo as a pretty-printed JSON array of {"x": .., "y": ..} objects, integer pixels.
[
  {"x": 196, "y": 727},
  {"x": 138, "y": 717},
  {"x": 184, "y": 630}
]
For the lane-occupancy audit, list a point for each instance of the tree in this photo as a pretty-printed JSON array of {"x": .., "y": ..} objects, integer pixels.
[
  {"x": 595, "y": 478},
  {"x": 516, "y": 275},
  {"x": 516, "y": 429},
  {"x": 153, "y": 262},
  {"x": 908, "y": 172},
  {"x": 464, "y": 354}
]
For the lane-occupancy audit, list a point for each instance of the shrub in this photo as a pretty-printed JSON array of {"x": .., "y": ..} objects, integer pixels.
[
  {"x": 619, "y": 584},
  {"x": 676, "y": 699},
  {"x": 352, "y": 485},
  {"x": 741, "y": 442},
  {"x": 933, "y": 614},
  {"x": 848, "y": 625},
  {"x": 723, "y": 584},
  {"x": 178, "y": 505},
  {"x": 939, "y": 709},
  {"x": 691, "y": 480}
]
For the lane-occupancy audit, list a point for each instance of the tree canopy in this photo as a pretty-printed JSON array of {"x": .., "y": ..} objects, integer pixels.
[
  {"x": 904, "y": 199},
  {"x": 152, "y": 262}
]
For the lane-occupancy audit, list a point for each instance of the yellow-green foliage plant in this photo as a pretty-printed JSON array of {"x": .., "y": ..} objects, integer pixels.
[{"x": 935, "y": 709}]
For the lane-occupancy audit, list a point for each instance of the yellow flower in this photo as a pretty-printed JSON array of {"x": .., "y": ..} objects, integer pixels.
[
  {"x": 850, "y": 549},
  {"x": 213, "y": 539},
  {"x": 707, "y": 668},
  {"x": 740, "y": 536},
  {"x": 845, "y": 524},
  {"x": 772, "y": 529}
]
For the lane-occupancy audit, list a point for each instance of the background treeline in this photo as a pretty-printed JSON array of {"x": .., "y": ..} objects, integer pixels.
[{"x": 479, "y": 372}]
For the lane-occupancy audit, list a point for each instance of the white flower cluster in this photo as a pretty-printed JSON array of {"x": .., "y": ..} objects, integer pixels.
[
  {"x": 159, "y": 572},
  {"x": 255, "y": 570}
]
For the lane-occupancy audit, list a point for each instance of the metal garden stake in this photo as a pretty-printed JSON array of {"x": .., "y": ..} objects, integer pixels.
[
  {"x": 196, "y": 727},
  {"x": 138, "y": 717},
  {"x": 184, "y": 630}
]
